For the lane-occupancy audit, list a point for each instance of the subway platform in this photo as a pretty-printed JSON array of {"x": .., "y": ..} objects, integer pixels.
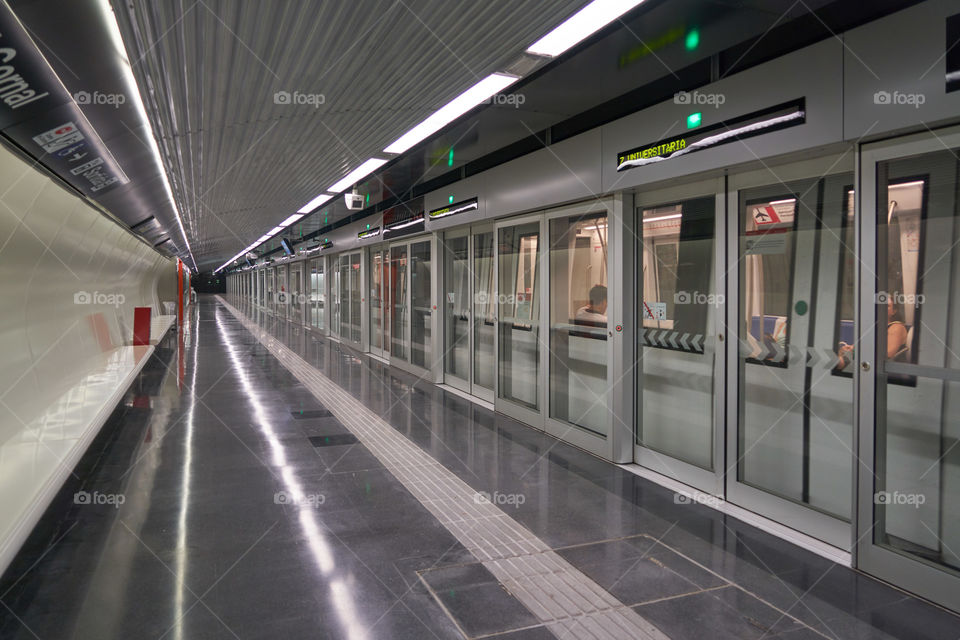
[{"x": 261, "y": 482}]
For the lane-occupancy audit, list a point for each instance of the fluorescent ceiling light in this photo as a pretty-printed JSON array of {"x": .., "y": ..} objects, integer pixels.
[
  {"x": 357, "y": 174},
  {"x": 275, "y": 230},
  {"x": 133, "y": 90},
  {"x": 915, "y": 183},
  {"x": 489, "y": 86},
  {"x": 583, "y": 23},
  {"x": 291, "y": 219},
  {"x": 658, "y": 218},
  {"x": 313, "y": 204}
]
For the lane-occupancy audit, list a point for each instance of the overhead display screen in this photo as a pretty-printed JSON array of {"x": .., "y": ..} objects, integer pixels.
[{"x": 753, "y": 124}]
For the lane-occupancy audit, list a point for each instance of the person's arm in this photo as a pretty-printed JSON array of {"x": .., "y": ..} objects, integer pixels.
[{"x": 896, "y": 339}]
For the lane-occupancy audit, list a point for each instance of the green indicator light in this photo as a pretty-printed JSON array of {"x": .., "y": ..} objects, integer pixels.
[
  {"x": 450, "y": 158},
  {"x": 450, "y": 200},
  {"x": 368, "y": 226},
  {"x": 368, "y": 198},
  {"x": 693, "y": 120},
  {"x": 692, "y": 40}
]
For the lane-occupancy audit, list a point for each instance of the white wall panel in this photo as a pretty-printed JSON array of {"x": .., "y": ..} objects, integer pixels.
[{"x": 53, "y": 246}]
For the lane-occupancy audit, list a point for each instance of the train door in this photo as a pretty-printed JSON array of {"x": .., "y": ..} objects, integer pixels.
[
  {"x": 468, "y": 310},
  {"x": 909, "y": 365},
  {"x": 680, "y": 303},
  {"x": 789, "y": 326}
]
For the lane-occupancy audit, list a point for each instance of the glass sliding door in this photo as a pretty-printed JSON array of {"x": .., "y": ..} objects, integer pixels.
[
  {"x": 457, "y": 309},
  {"x": 297, "y": 295},
  {"x": 792, "y": 397},
  {"x": 421, "y": 299},
  {"x": 578, "y": 385},
  {"x": 271, "y": 289},
  {"x": 317, "y": 294},
  {"x": 909, "y": 367},
  {"x": 678, "y": 311},
  {"x": 379, "y": 294},
  {"x": 347, "y": 303},
  {"x": 484, "y": 315},
  {"x": 469, "y": 311},
  {"x": 399, "y": 319},
  {"x": 518, "y": 324}
]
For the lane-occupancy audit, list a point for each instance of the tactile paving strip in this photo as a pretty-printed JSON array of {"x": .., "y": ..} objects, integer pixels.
[{"x": 565, "y": 600}]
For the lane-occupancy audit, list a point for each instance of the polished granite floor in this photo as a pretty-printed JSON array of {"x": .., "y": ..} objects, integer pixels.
[{"x": 176, "y": 525}]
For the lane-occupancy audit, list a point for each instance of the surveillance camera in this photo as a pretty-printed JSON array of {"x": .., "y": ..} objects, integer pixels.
[{"x": 354, "y": 201}]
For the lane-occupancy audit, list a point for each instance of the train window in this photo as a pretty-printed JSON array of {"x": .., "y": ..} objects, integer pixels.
[
  {"x": 525, "y": 290},
  {"x": 677, "y": 245},
  {"x": 767, "y": 229},
  {"x": 844, "y": 327},
  {"x": 900, "y": 241}
]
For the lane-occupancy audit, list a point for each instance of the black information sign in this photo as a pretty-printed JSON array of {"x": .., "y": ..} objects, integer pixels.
[
  {"x": 453, "y": 209},
  {"x": 38, "y": 114},
  {"x": 781, "y": 116}
]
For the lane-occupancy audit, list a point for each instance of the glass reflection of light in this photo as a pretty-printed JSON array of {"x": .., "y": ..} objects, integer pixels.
[
  {"x": 193, "y": 339},
  {"x": 339, "y": 591}
]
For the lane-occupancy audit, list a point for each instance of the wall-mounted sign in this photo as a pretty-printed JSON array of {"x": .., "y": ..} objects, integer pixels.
[
  {"x": 455, "y": 208},
  {"x": 325, "y": 245},
  {"x": 37, "y": 113},
  {"x": 765, "y": 121},
  {"x": 369, "y": 233}
]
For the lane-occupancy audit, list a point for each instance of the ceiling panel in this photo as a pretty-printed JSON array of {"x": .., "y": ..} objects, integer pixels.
[{"x": 240, "y": 157}]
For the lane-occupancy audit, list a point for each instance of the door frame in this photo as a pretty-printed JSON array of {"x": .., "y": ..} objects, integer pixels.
[{"x": 907, "y": 573}]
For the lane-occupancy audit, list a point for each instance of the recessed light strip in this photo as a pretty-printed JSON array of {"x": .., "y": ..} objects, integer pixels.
[
  {"x": 489, "y": 86},
  {"x": 134, "y": 91},
  {"x": 580, "y": 25},
  {"x": 357, "y": 174}
]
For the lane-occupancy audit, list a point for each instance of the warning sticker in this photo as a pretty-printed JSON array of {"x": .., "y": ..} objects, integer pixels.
[
  {"x": 774, "y": 213},
  {"x": 654, "y": 310},
  {"x": 59, "y": 137}
]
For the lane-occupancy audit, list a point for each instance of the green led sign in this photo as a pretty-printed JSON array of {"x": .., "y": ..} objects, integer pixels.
[
  {"x": 450, "y": 158},
  {"x": 694, "y": 120},
  {"x": 692, "y": 41},
  {"x": 450, "y": 200}
]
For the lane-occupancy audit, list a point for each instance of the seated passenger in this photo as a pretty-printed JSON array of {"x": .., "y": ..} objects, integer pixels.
[
  {"x": 594, "y": 313},
  {"x": 896, "y": 333}
]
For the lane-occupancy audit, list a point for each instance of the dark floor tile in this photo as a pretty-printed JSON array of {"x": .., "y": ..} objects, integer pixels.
[
  {"x": 709, "y": 614},
  {"x": 479, "y": 604}
]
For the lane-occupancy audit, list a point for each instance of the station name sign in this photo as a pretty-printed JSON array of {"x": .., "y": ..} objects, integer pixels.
[
  {"x": 455, "y": 208},
  {"x": 369, "y": 233},
  {"x": 774, "y": 118}
]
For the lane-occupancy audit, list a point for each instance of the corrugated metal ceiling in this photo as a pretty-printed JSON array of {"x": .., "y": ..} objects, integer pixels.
[{"x": 239, "y": 161}]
